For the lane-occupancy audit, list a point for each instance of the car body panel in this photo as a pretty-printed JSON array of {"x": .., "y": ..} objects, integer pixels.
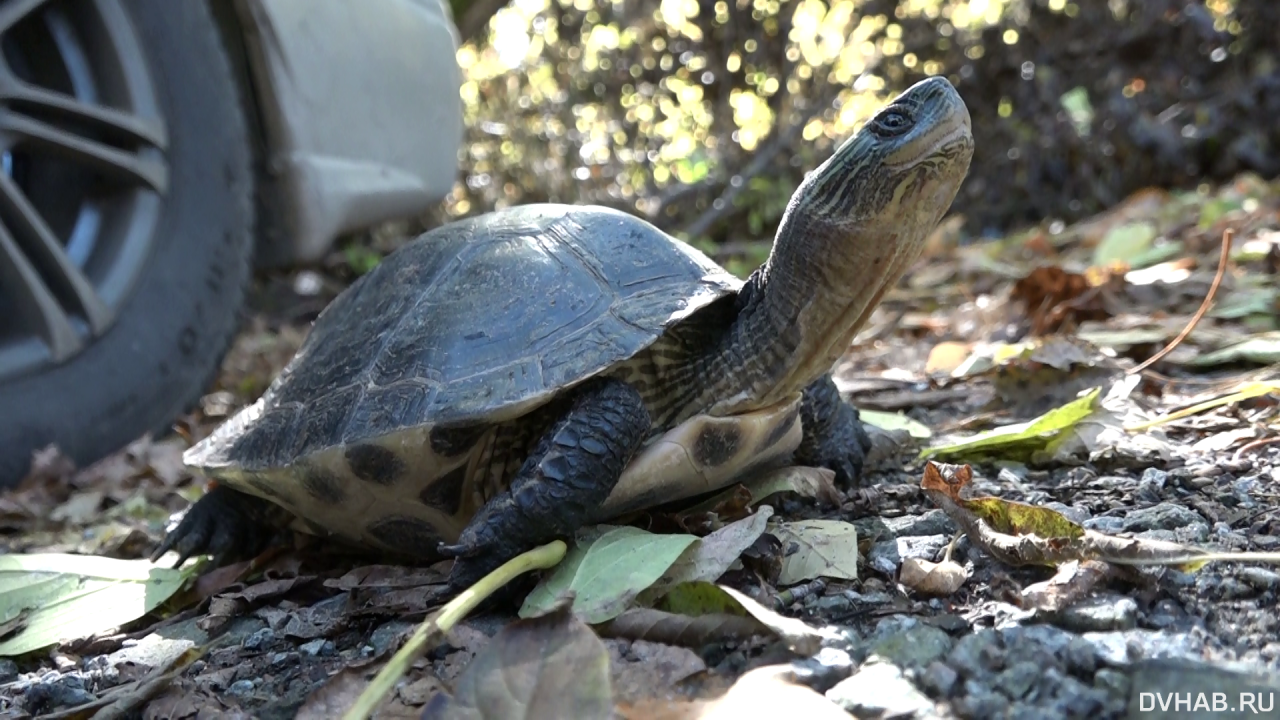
[{"x": 360, "y": 115}]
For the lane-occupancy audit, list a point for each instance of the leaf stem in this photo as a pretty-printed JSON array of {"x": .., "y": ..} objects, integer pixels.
[{"x": 443, "y": 620}]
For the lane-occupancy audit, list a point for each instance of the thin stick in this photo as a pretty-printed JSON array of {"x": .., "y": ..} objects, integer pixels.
[
  {"x": 1254, "y": 446},
  {"x": 443, "y": 620},
  {"x": 1204, "y": 306}
]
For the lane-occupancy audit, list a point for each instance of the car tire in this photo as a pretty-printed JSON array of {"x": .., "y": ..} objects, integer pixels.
[{"x": 172, "y": 331}]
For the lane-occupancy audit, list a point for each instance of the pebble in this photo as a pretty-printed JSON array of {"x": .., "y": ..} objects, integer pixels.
[
  {"x": 1113, "y": 682},
  {"x": 281, "y": 660},
  {"x": 879, "y": 690},
  {"x": 8, "y": 670},
  {"x": 1100, "y": 613},
  {"x": 933, "y": 522},
  {"x": 822, "y": 671},
  {"x": 915, "y": 647},
  {"x": 54, "y": 692},
  {"x": 387, "y": 634},
  {"x": 260, "y": 639},
  {"x": 1260, "y": 578},
  {"x": 887, "y": 555},
  {"x": 1165, "y": 516},
  {"x": 1121, "y": 648},
  {"x": 319, "y": 646},
  {"x": 980, "y": 701},
  {"x": 976, "y": 653},
  {"x": 940, "y": 678},
  {"x": 241, "y": 688},
  {"x": 1016, "y": 680},
  {"x": 1108, "y": 524},
  {"x": 1151, "y": 486}
]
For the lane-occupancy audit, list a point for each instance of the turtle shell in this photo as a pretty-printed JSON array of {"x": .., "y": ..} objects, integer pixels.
[{"x": 473, "y": 323}]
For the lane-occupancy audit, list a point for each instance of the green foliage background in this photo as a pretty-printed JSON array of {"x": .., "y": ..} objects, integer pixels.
[{"x": 703, "y": 115}]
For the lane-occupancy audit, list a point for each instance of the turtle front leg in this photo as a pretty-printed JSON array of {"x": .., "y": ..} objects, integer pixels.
[
  {"x": 570, "y": 473},
  {"x": 225, "y": 523},
  {"x": 833, "y": 434}
]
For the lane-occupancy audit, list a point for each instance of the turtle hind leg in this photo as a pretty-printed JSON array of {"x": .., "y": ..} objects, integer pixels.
[
  {"x": 833, "y": 434},
  {"x": 570, "y": 473},
  {"x": 225, "y": 523}
]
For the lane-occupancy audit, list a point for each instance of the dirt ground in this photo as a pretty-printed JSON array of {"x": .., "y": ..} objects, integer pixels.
[{"x": 977, "y": 337}]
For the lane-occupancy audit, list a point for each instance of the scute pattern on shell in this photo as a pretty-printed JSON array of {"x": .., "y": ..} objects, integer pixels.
[{"x": 475, "y": 322}]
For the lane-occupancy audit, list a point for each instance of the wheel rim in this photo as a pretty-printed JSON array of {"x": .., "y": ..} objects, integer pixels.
[{"x": 82, "y": 174}]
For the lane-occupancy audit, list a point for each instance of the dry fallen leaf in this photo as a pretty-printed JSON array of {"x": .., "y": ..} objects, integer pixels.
[
  {"x": 766, "y": 692},
  {"x": 1073, "y": 581},
  {"x": 549, "y": 666},
  {"x": 816, "y": 548},
  {"x": 923, "y": 576}
]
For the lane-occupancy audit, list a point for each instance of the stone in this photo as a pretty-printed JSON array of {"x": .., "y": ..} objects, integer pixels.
[
  {"x": 880, "y": 690},
  {"x": 914, "y": 647}
]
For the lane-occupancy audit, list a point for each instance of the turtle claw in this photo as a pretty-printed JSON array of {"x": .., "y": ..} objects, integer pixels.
[
  {"x": 224, "y": 523},
  {"x": 834, "y": 437},
  {"x": 453, "y": 551}
]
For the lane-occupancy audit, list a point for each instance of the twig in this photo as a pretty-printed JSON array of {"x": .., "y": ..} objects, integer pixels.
[
  {"x": 1204, "y": 306},
  {"x": 443, "y": 620},
  {"x": 1253, "y": 446}
]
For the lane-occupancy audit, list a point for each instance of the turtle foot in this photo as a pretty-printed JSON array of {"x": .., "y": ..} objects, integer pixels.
[
  {"x": 568, "y": 475},
  {"x": 833, "y": 434},
  {"x": 227, "y": 524}
]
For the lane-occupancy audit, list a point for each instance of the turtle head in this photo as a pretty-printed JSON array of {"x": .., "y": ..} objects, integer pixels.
[
  {"x": 889, "y": 184},
  {"x": 853, "y": 227}
]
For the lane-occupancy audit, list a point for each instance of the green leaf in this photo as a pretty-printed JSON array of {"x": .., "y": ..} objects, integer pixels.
[
  {"x": 711, "y": 556},
  {"x": 1076, "y": 102},
  {"x": 1021, "y": 438},
  {"x": 699, "y": 598},
  {"x": 1263, "y": 349},
  {"x": 1124, "y": 243},
  {"x": 895, "y": 421},
  {"x": 64, "y": 597},
  {"x": 607, "y": 573},
  {"x": 817, "y": 548}
]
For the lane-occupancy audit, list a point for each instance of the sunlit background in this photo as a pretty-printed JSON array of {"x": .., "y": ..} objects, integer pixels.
[{"x": 703, "y": 115}]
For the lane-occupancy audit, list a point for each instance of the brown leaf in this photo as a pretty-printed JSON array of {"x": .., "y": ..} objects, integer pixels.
[
  {"x": 644, "y": 669},
  {"x": 550, "y": 666},
  {"x": 1073, "y": 581},
  {"x": 799, "y": 637},
  {"x": 923, "y": 576},
  {"x": 712, "y": 555},
  {"x": 339, "y": 693},
  {"x": 673, "y": 629},
  {"x": 767, "y": 692}
]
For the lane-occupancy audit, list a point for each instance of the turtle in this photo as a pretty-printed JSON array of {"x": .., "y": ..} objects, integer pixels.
[{"x": 502, "y": 380}]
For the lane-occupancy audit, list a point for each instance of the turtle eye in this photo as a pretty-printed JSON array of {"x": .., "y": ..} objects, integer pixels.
[{"x": 891, "y": 123}]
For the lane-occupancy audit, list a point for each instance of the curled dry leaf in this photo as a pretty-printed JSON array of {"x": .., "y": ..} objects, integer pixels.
[
  {"x": 932, "y": 578},
  {"x": 711, "y": 556},
  {"x": 1020, "y": 534},
  {"x": 767, "y": 692},
  {"x": 1073, "y": 581},
  {"x": 800, "y": 638},
  {"x": 550, "y": 666},
  {"x": 683, "y": 630}
]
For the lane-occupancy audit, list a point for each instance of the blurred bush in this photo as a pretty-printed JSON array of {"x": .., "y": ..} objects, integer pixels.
[{"x": 703, "y": 115}]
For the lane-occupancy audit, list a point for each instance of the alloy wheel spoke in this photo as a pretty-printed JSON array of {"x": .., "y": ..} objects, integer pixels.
[
  {"x": 13, "y": 11},
  {"x": 21, "y": 96},
  {"x": 44, "y": 253},
  {"x": 37, "y": 307},
  {"x": 124, "y": 165}
]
